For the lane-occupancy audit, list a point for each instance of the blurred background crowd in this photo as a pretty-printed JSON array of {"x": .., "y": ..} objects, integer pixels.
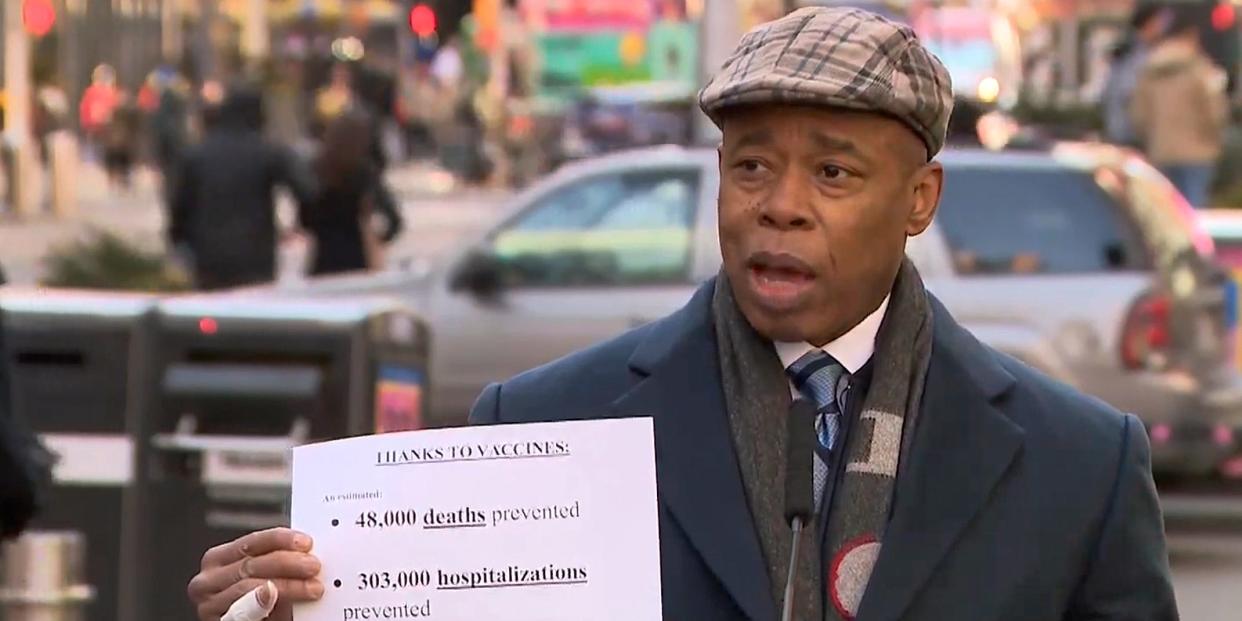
[{"x": 500, "y": 92}]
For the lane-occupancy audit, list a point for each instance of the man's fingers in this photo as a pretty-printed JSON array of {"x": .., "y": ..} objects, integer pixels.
[
  {"x": 257, "y": 544},
  {"x": 290, "y": 591},
  {"x": 215, "y": 606},
  {"x": 265, "y": 597},
  {"x": 233, "y": 569},
  {"x": 253, "y": 606},
  {"x": 283, "y": 564}
]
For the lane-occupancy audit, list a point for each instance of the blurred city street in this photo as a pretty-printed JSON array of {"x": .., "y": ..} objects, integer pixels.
[
  {"x": 1206, "y": 570},
  {"x": 438, "y": 217}
]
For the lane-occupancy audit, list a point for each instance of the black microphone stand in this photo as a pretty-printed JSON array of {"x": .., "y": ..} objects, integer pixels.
[{"x": 799, "y": 483}]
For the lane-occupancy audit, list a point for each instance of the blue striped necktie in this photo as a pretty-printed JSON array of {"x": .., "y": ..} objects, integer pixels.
[{"x": 821, "y": 379}]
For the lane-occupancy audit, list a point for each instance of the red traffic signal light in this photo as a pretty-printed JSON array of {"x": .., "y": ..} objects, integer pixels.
[
  {"x": 1224, "y": 16},
  {"x": 38, "y": 17},
  {"x": 422, "y": 20}
]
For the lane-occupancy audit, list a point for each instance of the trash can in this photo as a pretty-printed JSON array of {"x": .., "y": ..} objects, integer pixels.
[
  {"x": 236, "y": 384},
  {"x": 76, "y": 363}
]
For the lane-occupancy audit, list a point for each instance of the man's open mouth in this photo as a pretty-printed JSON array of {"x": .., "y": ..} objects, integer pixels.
[{"x": 779, "y": 280}]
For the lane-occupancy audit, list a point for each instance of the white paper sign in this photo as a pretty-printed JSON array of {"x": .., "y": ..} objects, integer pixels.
[{"x": 538, "y": 522}]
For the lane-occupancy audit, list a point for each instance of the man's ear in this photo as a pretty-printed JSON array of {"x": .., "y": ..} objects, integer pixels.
[{"x": 928, "y": 183}]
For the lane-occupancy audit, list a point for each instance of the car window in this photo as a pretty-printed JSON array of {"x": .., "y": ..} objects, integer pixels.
[
  {"x": 614, "y": 229},
  {"x": 1035, "y": 220}
]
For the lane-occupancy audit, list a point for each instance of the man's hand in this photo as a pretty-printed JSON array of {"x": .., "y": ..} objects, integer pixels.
[{"x": 234, "y": 569}]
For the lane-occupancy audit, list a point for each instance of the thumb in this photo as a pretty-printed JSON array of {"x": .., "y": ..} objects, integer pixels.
[
  {"x": 267, "y": 595},
  {"x": 253, "y": 606}
]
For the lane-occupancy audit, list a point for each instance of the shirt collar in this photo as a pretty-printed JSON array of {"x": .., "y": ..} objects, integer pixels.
[{"x": 852, "y": 349}]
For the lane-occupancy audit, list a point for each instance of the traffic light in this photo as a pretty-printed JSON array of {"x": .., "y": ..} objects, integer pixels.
[
  {"x": 422, "y": 20},
  {"x": 1224, "y": 16},
  {"x": 1219, "y": 31},
  {"x": 38, "y": 17}
]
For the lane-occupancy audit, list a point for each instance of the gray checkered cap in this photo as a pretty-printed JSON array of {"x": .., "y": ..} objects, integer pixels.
[{"x": 837, "y": 57}]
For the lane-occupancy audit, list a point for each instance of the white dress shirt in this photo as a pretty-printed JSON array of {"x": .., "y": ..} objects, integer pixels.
[{"x": 853, "y": 349}]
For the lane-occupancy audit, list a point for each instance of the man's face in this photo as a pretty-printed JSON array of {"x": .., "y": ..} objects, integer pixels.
[{"x": 815, "y": 207}]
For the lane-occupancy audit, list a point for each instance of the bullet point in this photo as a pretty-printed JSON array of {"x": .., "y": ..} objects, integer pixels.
[
  {"x": 336, "y": 583},
  {"x": 336, "y": 522}
]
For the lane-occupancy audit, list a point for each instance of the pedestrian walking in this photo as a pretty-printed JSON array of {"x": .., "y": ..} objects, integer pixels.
[
  {"x": 51, "y": 114},
  {"x": 99, "y": 100},
  {"x": 25, "y": 465},
  {"x": 1180, "y": 110},
  {"x": 120, "y": 142},
  {"x": 222, "y": 211},
  {"x": 334, "y": 98},
  {"x": 169, "y": 123},
  {"x": 354, "y": 214},
  {"x": 1149, "y": 23}
]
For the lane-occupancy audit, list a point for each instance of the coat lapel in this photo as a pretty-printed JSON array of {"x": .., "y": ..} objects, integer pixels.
[
  {"x": 698, "y": 475},
  {"x": 961, "y": 449}
]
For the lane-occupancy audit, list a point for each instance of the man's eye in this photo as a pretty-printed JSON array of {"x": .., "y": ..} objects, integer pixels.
[
  {"x": 834, "y": 172},
  {"x": 750, "y": 165}
]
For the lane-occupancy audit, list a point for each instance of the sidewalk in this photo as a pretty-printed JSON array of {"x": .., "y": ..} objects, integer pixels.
[
  {"x": 136, "y": 216},
  {"x": 436, "y": 210}
]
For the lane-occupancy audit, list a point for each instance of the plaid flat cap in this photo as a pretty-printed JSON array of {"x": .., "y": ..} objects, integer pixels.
[{"x": 837, "y": 57}]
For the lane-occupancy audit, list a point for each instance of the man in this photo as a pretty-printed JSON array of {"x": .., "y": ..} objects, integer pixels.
[
  {"x": 1149, "y": 23},
  {"x": 222, "y": 214},
  {"x": 952, "y": 482},
  {"x": 1180, "y": 110},
  {"x": 335, "y": 97},
  {"x": 99, "y": 100},
  {"x": 169, "y": 123}
]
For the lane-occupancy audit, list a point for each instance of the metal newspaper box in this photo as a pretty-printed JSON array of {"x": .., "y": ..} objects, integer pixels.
[
  {"x": 76, "y": 362},
  {"x": 238, "y": 381}
]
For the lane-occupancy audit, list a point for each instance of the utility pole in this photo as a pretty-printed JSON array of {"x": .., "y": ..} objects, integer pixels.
[
  {"x": 256, "y": 35},
  {"x": 719, "y": 31},
  {"x": 21, "y": 170},
  {"x": 204, "y": 48},
  {"x": 171, "y": 38}
]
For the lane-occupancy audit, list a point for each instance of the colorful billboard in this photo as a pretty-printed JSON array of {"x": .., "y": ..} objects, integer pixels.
[{"x": 651, "y": 46}]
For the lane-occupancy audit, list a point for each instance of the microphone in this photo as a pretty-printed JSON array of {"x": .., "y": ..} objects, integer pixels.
[{"x": 799, "y": 485}]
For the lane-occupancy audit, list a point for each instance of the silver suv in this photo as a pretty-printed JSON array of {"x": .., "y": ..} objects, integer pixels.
[{"x": 1080, "y": 261}]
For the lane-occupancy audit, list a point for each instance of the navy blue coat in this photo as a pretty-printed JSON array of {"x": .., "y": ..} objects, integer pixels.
[{"x": 1020, "y": 499}]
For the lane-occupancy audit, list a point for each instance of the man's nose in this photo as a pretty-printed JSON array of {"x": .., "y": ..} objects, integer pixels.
[{"x": 787, "y": 206}]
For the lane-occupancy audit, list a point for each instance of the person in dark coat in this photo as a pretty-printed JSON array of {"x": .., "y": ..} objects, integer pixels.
[
  {"x": 168, "y": 125},
  {"x": 352, "y": 191},
  {"x": 222, "y": 215},
  {"x": 121, "y": 142},
  {"x": 25, "y": 464}
]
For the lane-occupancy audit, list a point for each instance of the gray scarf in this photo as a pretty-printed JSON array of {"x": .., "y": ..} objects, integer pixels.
[{"x": 757, "y": 395}]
